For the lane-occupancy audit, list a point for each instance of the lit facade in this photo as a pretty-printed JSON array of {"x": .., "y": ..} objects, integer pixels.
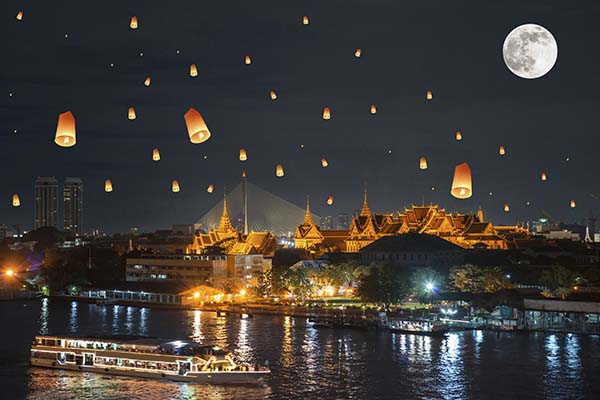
[
  {"x": 72, "y": 205},
  {"x": 46, "y": 202}
]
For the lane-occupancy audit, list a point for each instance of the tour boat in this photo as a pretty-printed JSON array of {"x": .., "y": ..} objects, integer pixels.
[
  {"x": 144, "y": 357},
  {"x": 417, "y": 327}
]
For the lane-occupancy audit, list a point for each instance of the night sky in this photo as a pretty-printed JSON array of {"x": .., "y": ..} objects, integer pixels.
[{"x": 452, "y": 48}]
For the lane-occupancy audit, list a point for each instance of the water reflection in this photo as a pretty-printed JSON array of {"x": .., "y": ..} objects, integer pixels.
[
  {"x": 311, "y": 349},
  {"x": 129, "y": 320},
  {"x": 44, "y": 315},
  {"x": 243, "y": 348},
  {"x": 73, "y": 324},
  {"x": 286, "y": 346},
  {"x": 144, "y": 320},
  {"x": 450, "y": 369},
  {"x": 115, "y": 321},
  {"x": 197, "y": 335}
]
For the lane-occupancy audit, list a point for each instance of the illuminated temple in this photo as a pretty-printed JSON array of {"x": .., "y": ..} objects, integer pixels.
[{"x": 465, "y": 230}]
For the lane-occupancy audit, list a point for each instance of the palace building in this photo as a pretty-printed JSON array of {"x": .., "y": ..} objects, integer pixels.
[{"x": 464, "y": 230}]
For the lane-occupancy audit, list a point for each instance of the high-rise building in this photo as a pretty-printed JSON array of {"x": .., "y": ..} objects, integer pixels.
[
  {"x": 73, "y": 205},
  {"x": 46, "y": 202},
  {"x": 343, "y": 221},
  {"x": 326, "y": 223}
]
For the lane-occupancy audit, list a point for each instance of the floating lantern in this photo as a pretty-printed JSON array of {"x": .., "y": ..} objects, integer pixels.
[
  {"x": 358, "y": 53},
  {"x": 305, "y": 20},
  {"x": 134, "y": 23},
  {"x": 197, "y": 129},
  {"x": 458, "y": 135},
  {"x": 502, "y": 150},
  {"x": 243, "y": 155},
  {"x": 506, "y": 208},
  {"x": 108, "y": 186},
  {"x": 326, "y": 113},
  {"x": 20, "y": 16},
  {"x": 65, "y": 130},
  {"x": 429, "y": 95},
  {"x": 210, "y": 188},
  {"x": 131, "y": 113},
  {"x": 248, "y": 60},
  {"x": 279, "y": 170},
  {"x": 273, "y": 95},
  {"x": 462, "y": 184},
  {"x": 423, "y": 163},
  {"x": 544, "y": 176},
  {"x": 193, "y": 70},
  {"x": 572, "y": 203},
  {"x": 373, "y": 109},
  {"x": 16, "y": 200},
  {"x": 175, "y": 186},
  {"x": 156, "y": 154},
  {"x": 324, "y": 162},
  {"x": 330, "y": 201},
  {"x": 148, "y": 81}
]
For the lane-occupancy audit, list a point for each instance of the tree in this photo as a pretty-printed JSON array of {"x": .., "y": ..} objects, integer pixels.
[
  {"x": 493, "y": 280},
  {"x": 472, "y": 279},
  {"x": 264, "y": 286},
  {"x": 383, "y": 285},
  {"x": 425, "y": 282},
  {"x": 298, "y": 281},
  {"x": 560, "y": 280}
]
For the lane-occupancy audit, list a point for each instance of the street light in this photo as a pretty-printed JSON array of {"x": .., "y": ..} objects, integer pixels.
[
  {"x": 430, "y": 286},
  {"x": 9, "y": 272}
]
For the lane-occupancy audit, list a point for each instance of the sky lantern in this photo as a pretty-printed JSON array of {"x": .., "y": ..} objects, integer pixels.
[
  {"x": 108, "y": 186},
  {"x": 193, "y": 70},
  {"x": 156, "y": 154},
  {"x": 243, "y": 155},
  {"x": 148, "y": 81},
  {"x": 326, "y": 113},
  {"x": 175, "y": 186},
  {"x": 16, "y": 200},
  {"x": 502, "y": 150},
  {"x": 423, "y": 163},
  {"x": 544, "y": 176},
  {"x": 134, "y": 23},
  {"x": 305, "y": 20},
  {"x": 273, "y": 95},
  {"x": 573, "y": 204},
  {"x": 458, "y": 135},
  {"x": 429, "y": 95},
  {"x": 19, "y": 16},
  {"x": 65, "y": 130},
  {"x": 210, "y": 188},
  {"x": 462, "y": 184},
  {"x": 279, "y": 170},
  {"x": 330, "y": 201},
  {"x": 358, "y": 53},
  {"x": 506, "y": 208},
  {"x": 324, "y": 162},
  {"x": 248, "y": 60},
  {"x": 131, "y": 114},
  {"x": 197, "y": 129},
  {"x": 373, "y": 109}
]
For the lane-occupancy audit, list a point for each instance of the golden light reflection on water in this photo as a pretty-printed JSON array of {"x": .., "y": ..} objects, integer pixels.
[
  {"x": 287, "y": 351},
  {"x": 197, "y": 335}
]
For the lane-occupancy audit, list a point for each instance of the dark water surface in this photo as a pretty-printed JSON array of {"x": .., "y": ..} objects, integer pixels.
[{"x": 307, "y": 363}]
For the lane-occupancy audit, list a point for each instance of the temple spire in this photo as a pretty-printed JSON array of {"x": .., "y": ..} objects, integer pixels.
[
  {"x": 365, "y": 212},
  {"x": 225, "y": 224},
  {"x": 307, "y": 217}
]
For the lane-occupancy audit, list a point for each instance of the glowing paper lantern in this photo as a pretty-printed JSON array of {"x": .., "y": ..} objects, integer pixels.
[
  {"x": 273, "y": 95},
  {"x": 572, "y": 203},
  {"x": 506, "y": 208},
  {"x": 248, "y": 60},
  {"x": 279, "y": 170},
  {"x": 544, "y": 176},
  {"x": 210, "y": 188},
  {"x": 462, "y": 184},
  {"x": 16, "y": 200},
  {"x": 131, "y": 114},
  {"x": 108, "y": 186},
  {"x": 148, "y": 81},
  {"x": 502, "y": 150},
  {"x": 330, "y": 201},
  {"x": 20, "y": 16},
  {"x": 134, "y": 23},
  {"x": 243, "y": 155},
  {"x": 156, "y": 154},
  {"x": 65, "y": 130},
  {"x": 193, "y": 70},
  {"x": 458, "y": 135},
  {"x": 373, "y": 109},
  {"x": 305, "y": 20},
  {"x": 326, "y": 113},
  {"x": 357, "y": 53},
  {"x": 429, "y": 95},
  {"x": 423, "y": 163},
  {"x": 324, "y": 162},
  {"x": 197, "y": 129},
  {"x": 175, "y": 186}
]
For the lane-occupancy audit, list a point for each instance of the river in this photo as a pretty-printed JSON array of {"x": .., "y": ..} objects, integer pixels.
[{"x": 306, "y": 362}]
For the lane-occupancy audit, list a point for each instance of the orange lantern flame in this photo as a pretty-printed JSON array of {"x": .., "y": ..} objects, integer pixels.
[
  {"x": 573, "y": 204},
  {"x": 175, "y": 186},
  {"x": 16, "y": 200},
  {"x": 108, "y": 186},
  {"x": 326, "y": 113},
  {"x": 358, "y": 53},
  {"x": 544, "y": 176},
  {"x": 330, "y": 201},
  {"x": 373, "y": 109},
  {"x": 423, "y": 163},
  {"x": 148, "y": 81},
  {"x": 65, "y": 130},
  {"x": 193, "y": 70},
  {"x": 248, "y": 60},
  {"x": 197, "y": 129},
  {"x": 506, "y": 208},
  {"x": 210, "y": 188},
  {"x": 305, "y": 20},
  {"x": 502, "y": 150},
  {"x": 156, "y": 154},
  {"x": 462, "y": 183},
  {"x": 458, "y": 135},
  {"x": 324, "y": 162},
  {"x": 131, "y": 114},
  {"x": 429, "y": 95},
  {"x": 279, "y": 170},
  {"x": 134, "y": 22},
  {"x": 273, "y": 95},
  {"x": 20, "y": 16},
  {"x": 243, "y": 155}
]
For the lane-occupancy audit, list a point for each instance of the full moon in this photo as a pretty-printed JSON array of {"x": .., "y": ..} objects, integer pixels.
[{"x": 530, "y": 51}]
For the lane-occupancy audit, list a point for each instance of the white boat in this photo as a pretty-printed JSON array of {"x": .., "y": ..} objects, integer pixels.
[
  {"x": 142, "y": 357},
  {"x": 417, "y": 327}
]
